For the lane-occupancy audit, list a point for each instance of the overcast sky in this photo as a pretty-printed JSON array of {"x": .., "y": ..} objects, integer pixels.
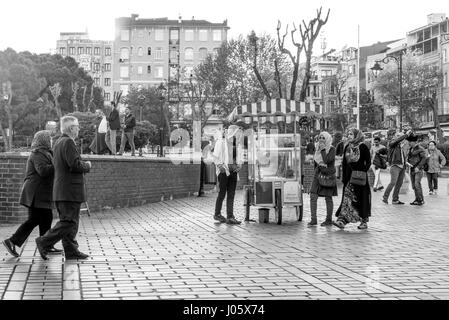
[{"x": 34, "y": 25}]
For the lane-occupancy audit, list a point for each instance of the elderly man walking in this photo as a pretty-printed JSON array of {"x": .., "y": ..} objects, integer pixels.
[{"x": 68, "y": 192}]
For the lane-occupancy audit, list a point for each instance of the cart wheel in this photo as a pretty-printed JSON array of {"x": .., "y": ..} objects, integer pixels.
[
  {"x": 299, "y": 211},
  {"x": 278, "y": 208}
]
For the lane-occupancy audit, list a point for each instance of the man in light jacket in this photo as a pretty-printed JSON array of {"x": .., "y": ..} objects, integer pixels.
[{"x": 228, "y": 158}]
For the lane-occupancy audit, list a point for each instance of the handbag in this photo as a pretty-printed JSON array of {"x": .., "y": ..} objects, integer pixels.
[
  {"x": 327, "y": 181},
  {"x": 358, "y": 178}
]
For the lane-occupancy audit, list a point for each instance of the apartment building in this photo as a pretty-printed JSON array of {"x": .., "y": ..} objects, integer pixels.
[
  {"x": 95, "y": 56},
  {"x": 148, "y": 52}
]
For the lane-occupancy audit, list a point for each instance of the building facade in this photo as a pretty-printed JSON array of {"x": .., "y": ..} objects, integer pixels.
[
  {"x": 94, "y": 56},
  {"x": 148, "y": 52}
]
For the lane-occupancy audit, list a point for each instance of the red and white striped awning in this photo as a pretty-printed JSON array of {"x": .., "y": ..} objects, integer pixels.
[{"x": 273, "y": 111}]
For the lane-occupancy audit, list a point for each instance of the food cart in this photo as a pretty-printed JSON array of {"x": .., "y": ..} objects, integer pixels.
[{"x": 274, "y": 158}]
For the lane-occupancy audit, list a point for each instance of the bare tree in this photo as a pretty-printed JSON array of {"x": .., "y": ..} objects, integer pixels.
[
  {"x": 56, "y": 91},
  {"x": 253, "y": 42},
  {"x": 75, "y": 87}
]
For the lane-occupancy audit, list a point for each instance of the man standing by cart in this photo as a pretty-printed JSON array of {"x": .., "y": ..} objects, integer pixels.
[{"x": 228, "y": 158}]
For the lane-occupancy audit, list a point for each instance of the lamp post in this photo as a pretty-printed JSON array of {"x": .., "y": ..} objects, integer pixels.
[
  {"x": 377, "y": 68},
  {"x": 162, "y": 90}
]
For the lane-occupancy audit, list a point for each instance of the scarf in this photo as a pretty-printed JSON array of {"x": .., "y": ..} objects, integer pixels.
[
  {"x": 41, "y": 140},
  {"x": 354, "y": 146},
  {"x": 318, "y": 158}
]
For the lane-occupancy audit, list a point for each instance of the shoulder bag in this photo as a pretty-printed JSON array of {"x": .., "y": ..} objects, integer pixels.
[
  {"x": 327, "y": 181},
  {"x": 358, "y": 178}
]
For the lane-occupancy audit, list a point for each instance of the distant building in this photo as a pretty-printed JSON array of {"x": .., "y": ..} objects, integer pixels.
[{"x": 94, "y": 56}]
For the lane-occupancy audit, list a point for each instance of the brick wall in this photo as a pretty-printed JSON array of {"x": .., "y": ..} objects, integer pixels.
[{"x": 112, "y": 182}]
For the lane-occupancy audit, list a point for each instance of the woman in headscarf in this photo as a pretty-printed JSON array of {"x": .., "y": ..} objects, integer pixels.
[
  {"x": 36, "y": 192},
  {"x": 324, "y": 162},
  {"x": 356, "y": 201}
]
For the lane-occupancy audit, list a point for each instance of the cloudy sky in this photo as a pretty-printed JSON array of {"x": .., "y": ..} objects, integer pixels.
[{"x": 35, "y": 25}]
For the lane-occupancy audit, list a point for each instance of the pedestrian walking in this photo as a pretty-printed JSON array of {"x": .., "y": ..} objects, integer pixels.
[
  {"x": 356, "y": 200},
  {"x": 114, "y": 125},
  {"x": 435, "y": 161},
  {"x": 379, "y": 156},
  {"x": 324, "y": 182},
  {"x": 128, "y": 132},
  {"x": 98, "y": 145},
  {"x": 68, "y": 192},
  {"x": 396, "y": 160},
  {"x": 228, "y": 157},
  {"x": 36, "y": 193},
  {"x": 416, "y": 158}
]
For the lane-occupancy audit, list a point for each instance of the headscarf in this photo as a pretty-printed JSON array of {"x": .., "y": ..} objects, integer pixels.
[
  {"x": 353, "y": 145},
  {"x": 41, "y": 140},
  {"x": 327, "y": 146}
]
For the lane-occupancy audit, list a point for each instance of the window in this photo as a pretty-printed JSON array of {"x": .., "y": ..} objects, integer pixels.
[
  {"x": 149, "y": 51},
  {"x": 107, "y": 51},
  {"x": 332, "y": 91},
  {"x": 203, "y": 53},
  {"x": 426, "y": 33},
  {"x": 158, "y": 54},
  {"x": 96, "y": 66},
  {"x": 97, "y": 51},
  {"x": 107, "y": 67},
  {"x": 97, "y": 81},
  {"x": 444, "y": 55},
  {"x": 107, "y": 82},
  {"x": 72, "y": 51},
  {"x": 326, "y": 73},
  {"x": 159, "y": 35},
  {"x": 124, "y": 54},
  {"x": 148, "y": 69},
  {"x": 80, "y": 50},
  {"x": 189, "y": 35},
  {"x": 124, "y": 88},
  {"x": 124, "y": 72},
  {"x": 159, "y": 72},
  {"x": 174, "y": 34},
  {"x": 203, "y": 35},
  {"x": 332, "y": 105},
  {"x": 188, "y": 71},
  {"x": 217, "y": 35},
  {"x": 352, "y": 69},
  {"x": 445, "y": 80},
  {"x": 124, "y": 35},
  {"x": 140, "y": 51},
  {"x": 215, "y": 51},
  {"x": 62, "y": 51},
  {"x": 174, "y": 57},
  {"x": 188, "y": 55},
  {"x": 139, "y": 70},
  {"x": 446, "y": 107},
  {"x": 89, "y": 50},
  {"x": 107, "y": 96}
]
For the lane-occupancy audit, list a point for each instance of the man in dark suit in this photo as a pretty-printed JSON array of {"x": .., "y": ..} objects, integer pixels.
[
  {"x": 114, "y": 125},
  {"x": 68, "y": 192},
  {"x": 128, "y": 132}
]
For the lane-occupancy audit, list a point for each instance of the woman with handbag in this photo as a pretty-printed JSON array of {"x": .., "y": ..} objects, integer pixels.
[
  {"x": 324, "y": 182},
  {"x": 356, "y": 200}
]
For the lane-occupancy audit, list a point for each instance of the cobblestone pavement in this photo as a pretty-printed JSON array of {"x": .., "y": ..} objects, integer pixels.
[{"x": 174, "y": 250}]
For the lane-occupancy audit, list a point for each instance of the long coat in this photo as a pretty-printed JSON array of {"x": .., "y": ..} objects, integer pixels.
[
  {"x": 329, "y": 160},
  {"x": 69, "y": 169},
  {"x": 362, "y": 193},
  {"x": 38, "y": 185}
]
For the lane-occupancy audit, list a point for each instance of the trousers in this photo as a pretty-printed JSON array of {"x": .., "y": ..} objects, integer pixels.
[
  {"x": 226, "y": 188},
  {"x": 314, "y": 204},
  {"x": 36, "y": 217},
  {"x": 396, "y": 179}
]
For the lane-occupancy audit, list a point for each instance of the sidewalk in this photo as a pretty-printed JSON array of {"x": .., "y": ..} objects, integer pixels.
[{"x": 175, "y": 250}]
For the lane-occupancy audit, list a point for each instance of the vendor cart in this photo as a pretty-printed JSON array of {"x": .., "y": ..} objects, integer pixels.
[{"x": 274, "y": 158}]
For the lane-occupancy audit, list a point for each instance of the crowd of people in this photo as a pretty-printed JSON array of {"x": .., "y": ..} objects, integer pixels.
[{"x": 54, "y": 176}]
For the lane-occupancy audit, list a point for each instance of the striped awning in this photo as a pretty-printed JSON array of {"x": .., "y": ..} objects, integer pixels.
[{"x": 273, "y": 111}]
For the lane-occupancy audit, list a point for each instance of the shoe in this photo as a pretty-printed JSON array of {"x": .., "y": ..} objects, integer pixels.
[
  {"x": 431, "y": 193},
  {"x": 380, "y": 188},
  {"x": 10, "y": 247},
  {"x": 374, "y": 189},
  {"x": 419, "y": 203},
  {"x": 78, "y": 255},
  {"x": 414, "y": 203},
  {"x": 397, "y": 202},
  {"x": 41, "y": 249},
  {"x": 362, "y": 226},
  {"x": 326, "y": 223},
  {"x": 312, "y": 223},
  {"x": 53, "y": 250},
  {"x": 233, "y": 221},
  {"x": 339, "y": 224},
  {"x": 385, "y": 201},
  {"x": 220, "y": 218}
]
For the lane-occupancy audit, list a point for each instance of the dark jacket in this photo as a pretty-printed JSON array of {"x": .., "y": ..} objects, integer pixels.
[
  {"x": 114, "y": 119},
  {"x": 38, "y": 185},
  {"x": 329, "y": 160},
  {"x": 394, "y": 151},
  {"x": 417, "y": 157},
  {"x": 130, "y": 122},
  {"x": 69, "y": 169}
]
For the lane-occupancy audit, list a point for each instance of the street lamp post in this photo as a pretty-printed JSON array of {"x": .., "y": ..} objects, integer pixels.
[
  {"x": 162, "y": 90},
  {"x": 377, "y": 68}
]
